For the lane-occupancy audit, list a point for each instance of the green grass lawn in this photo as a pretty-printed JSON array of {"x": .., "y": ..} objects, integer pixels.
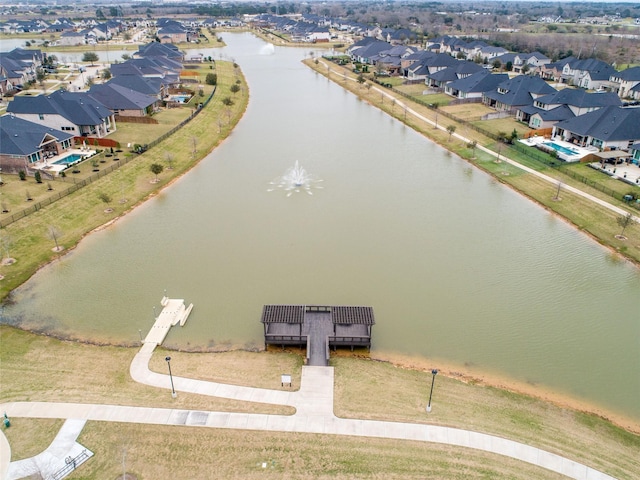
[
  {"x": 38, "y": 368},
  {"x": 77, "y": 214}
]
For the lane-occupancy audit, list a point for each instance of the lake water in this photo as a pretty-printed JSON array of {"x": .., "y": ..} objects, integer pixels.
[{"x": 458, "y": 268}]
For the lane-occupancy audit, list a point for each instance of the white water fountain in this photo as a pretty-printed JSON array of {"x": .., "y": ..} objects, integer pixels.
[
  {"x": 268, "y": 49},
  {"x": 295, "y": 180}
]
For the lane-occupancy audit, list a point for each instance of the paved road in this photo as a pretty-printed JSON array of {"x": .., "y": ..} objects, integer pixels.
[{"x": 314, "y": 414}]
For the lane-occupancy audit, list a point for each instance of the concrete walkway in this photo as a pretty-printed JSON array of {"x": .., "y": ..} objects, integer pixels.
[
  {"x": 309, "y": 422},
  {"x": 544, "y": 177},
  {"x": 54, "y": 458},
  {"x": 314, "y": 414},
  {"x": 313, "y": 402}
]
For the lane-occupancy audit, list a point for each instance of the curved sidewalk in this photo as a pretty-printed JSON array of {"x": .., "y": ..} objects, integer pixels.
[{"x": 319, "y": 424}]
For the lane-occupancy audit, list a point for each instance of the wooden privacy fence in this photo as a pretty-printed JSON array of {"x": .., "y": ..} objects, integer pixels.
[{"x": 96, "y": 142}]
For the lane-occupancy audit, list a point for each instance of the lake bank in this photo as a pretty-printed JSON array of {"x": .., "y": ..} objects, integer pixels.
[
  {"x": 383, "y": 221},
  {"x": 600, "y": 224}
]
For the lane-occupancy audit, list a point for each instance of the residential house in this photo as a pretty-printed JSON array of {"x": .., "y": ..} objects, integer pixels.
[
  {"x": 488, "y": 54},
  {"x": 608, "y": 128},
  {"x": 170, "y": 31},
  {"x": 475, "y": 85},
  {"x": 391, "y": 59},
  {"x": 442, "y": 77},
  {"x": 151, "y": 86},
  {"x": 525, "y": 62},
  {"x": 517, "y": 92},
  {"x": 625, "y": 81},
  {"x": 504, "y": 62},
  {"x": 430, "y": 64},
  {"x": 73, "y": 112},
  {"x": 19, "y": 66},
  {"x": 367, "y": 48},
  {"x": 72, "y": 38},
  {"x": 445, "y": 44},
  {"x": 402, "y": 36},
  {"x": 23, "y": 143},
  {"x": 588, "y": 73},
  {"x": 156, "y": 49},
  {"x": 123, "y": 101},
  {"x": 553, "y": 71},
  {"x": 564, "y": 104}
]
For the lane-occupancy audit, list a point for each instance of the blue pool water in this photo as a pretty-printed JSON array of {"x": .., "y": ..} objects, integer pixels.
[
  {"x": 560, "y": 148},
  {"x": 180, "y": 98},
  {"x": 73, "y": 158}
]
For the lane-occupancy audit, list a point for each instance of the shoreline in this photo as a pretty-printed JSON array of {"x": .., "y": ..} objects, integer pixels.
[
  {"x": 410, "y": 362},
  {"x": 418, "y": 363},
  {"x": 619, "y": 252}
]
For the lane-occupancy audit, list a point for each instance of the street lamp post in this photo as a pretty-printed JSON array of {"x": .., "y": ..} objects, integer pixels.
[
  {"x": 434, "y": 372},
  {"x": 173, "y": 390}
]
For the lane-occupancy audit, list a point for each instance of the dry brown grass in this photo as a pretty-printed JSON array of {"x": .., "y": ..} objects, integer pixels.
[
  {"x": 154, "y": 452},
  {"x": 30, "y": 436},
  {"x": 37, "y": 368},
  {"x": 468, "y": 111}
]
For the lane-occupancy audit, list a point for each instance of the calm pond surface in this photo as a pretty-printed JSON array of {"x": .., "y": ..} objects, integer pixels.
[{"x": 458, "y": 268}]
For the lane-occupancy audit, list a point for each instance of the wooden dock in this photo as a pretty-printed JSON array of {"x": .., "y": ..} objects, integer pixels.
[
  {"x": 173, "y": 312},
  {"x": 318, "y": 328}
]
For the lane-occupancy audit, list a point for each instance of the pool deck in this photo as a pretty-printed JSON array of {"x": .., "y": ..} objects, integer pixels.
[
  {"x": 49, "y": 165},
  {"x": 578, "y": 152}
]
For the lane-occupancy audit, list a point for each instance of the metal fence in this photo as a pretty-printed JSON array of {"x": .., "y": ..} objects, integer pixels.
[
  {"x": 77, "y": 184},
  {"x": 532, "y": 153}
]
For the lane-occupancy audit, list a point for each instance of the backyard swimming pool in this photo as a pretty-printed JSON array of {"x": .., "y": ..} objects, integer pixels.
[
  {"x": 69, "y": 159},
  {"x": 180, "y": 98},
  {"x": 560, "y": 148}
]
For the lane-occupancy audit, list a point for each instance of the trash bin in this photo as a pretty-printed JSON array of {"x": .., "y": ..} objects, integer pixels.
[{"x": 7, "y": 423}]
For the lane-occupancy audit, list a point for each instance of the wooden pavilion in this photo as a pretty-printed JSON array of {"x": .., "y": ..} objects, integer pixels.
[{"x": 318, "y": 328}]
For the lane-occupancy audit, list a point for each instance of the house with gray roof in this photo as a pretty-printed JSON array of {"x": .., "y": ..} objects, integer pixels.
[
  {"x": 523, "y": 62},
  {"x": 475, "y": 85},
  {"x": 71, "y": 38},
  {"x": 152, "y": 86},
  {"x": 367, "y": 48},
  {"x": 23, "y": 143},
  {"x": 624, "y": 82},
  {"x": 609, "y": 128},
  {"x": 74, "y": 112},
  {"x": 430, "y": 64},
  {"x": 517, "y": 92},
  {"x": 589, "y": 73},
  {"x": 123, "y": 101},
  {"x": 553, "y": 71},
  {"x": 391, "y": 59},
  {"x": 156, "y": 49},
  {"x": 455, "y": 72},
  {"x": 564, "y": 104}
]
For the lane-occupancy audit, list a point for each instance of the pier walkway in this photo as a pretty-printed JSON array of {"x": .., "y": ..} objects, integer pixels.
[
  {"x": 313, "y": 402},
  {"x": 173, "y": 312}
]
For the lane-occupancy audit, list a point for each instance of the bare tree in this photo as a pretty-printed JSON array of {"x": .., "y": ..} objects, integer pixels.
[
  {"x": 54, "y": 234},
  {"x": 168, "y": 157},
  {"x": 557, "y": 195}
]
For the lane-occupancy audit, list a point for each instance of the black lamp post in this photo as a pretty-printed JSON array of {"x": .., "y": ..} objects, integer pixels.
[
  {"x": 434, "y": 372},
  {"x": 173, "y": 390}
]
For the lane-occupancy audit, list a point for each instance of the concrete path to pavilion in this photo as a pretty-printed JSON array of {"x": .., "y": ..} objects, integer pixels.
[{"x": 314, "y": 414}]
